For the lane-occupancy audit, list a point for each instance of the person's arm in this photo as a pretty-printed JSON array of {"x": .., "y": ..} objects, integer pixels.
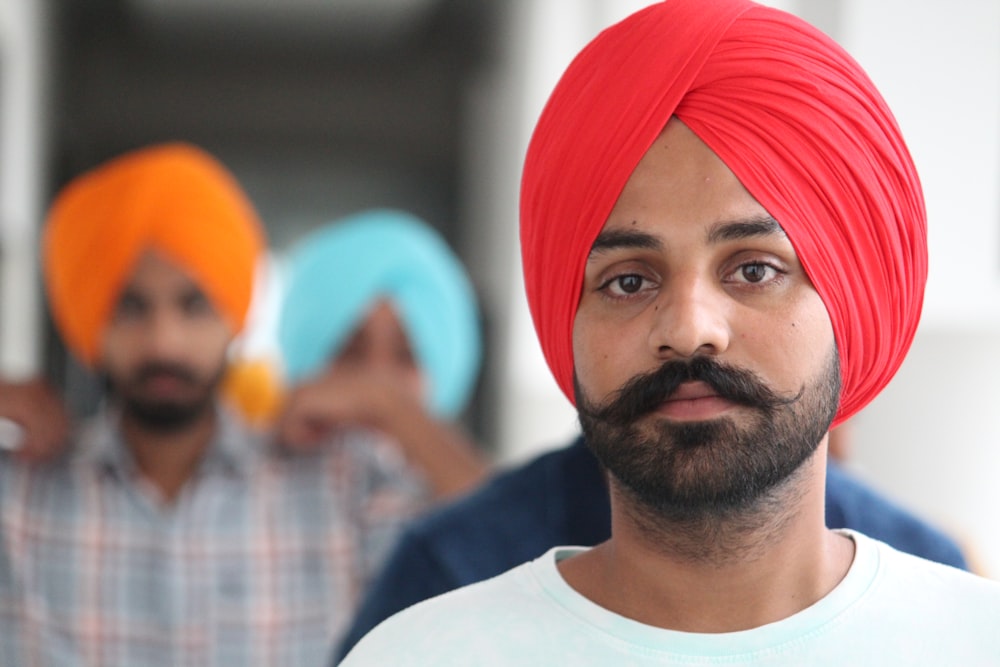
[
  {"x": 34, "y": 423},
  {"x": 448, "y": 460}
]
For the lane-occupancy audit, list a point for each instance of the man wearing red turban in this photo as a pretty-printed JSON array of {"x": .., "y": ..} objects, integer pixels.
[
  {"x": 167, "y": 532},
  {"x": 724, "y": 247}
]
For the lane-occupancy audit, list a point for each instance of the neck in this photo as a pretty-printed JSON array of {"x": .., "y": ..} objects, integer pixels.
[
  {"x": 724, "y": 575},
  {"x": 168, "y": 459}
]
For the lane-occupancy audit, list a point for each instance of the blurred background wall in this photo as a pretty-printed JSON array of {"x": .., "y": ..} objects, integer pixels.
[{"x": 324, "y": 107}]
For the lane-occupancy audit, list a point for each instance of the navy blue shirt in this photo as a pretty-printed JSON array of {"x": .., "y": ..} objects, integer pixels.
[{"x": 561, "y": 498}]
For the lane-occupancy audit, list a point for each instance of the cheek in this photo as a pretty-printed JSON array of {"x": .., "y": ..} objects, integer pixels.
[
  {"x": 417, "y": 385},
  {"x": 582, "y": 357},
  {"x": 600, "y": 357},
  {"x": 213, "y": 344},
  {"x": 809, "y": 325},
  {"x": 793, "y": 344},
  {"x": 117, "y": 349}
]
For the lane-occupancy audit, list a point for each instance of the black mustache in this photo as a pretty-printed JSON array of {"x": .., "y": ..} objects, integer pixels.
[{"x": 644, "y": 393}]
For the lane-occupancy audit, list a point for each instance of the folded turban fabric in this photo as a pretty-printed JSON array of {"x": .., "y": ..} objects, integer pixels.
[
  {"x": 336, "y": 274},
  {"x": 174, "y": 199},
  {"x": 790, "y": 113}
]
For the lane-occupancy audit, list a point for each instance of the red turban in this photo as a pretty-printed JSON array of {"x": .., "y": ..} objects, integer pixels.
[
  {"x": 790, "y": 113},
  {"x": 175, "y": 199}
]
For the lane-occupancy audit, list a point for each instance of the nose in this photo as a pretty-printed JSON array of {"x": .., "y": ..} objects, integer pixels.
[
  {"x": 690, "y": 318},
  {"x": 165, "y": 334}
]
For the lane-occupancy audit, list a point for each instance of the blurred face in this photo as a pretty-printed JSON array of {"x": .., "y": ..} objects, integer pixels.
[
  {"x": 705, "y": 362},
  {"x": 380, "y": 346},
  {"x": 164, "y": 349}
]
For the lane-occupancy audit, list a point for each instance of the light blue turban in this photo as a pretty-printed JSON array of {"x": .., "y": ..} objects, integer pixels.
[{"x": 337, "y": 273}]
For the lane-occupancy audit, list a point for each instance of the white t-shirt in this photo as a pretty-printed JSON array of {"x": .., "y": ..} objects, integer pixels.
[{"x": 890, "y": 609}]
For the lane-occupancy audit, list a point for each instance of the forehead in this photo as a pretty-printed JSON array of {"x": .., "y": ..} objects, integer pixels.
[
  {"x": 381, "y": 319},
  {"x": 154, "y": 272},
  {"x": 680, "y": 180}
]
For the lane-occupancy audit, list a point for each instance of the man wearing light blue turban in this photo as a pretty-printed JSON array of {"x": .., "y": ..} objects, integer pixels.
[
  {"x": 339, "y": 272},
  {"x": 379, "y": 326}
]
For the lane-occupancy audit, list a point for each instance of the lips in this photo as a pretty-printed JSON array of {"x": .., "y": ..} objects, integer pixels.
[
  {"x": 164, "y": 382},
  {"x": 164, "y": 375},
  {"x": 691, "y": 391},
  {"x": 162, "y": 385},
  {"x": 694, "y": 401}
]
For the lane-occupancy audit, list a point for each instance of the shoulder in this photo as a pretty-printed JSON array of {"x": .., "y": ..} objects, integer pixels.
[
  {"x": 24, "y": 484},
  {"x": 31, "y": 493},
  {"x": 557, "y": 498},
  {"x": 92, "y": 445},
  {"x": 914, "y": 583},
  {"x": 466, "y": 621}
]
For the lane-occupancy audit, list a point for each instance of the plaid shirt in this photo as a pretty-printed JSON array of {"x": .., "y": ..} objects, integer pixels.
[{"x": 259, "y": 561}]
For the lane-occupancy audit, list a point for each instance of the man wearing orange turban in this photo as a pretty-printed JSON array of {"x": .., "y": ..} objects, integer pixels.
[
  {"x": 174, "y": 200},
  {"x": 724, "y": 247},
  {"x": 167, "y": 532}
]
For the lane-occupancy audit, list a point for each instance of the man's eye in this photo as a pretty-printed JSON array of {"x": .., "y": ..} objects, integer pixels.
[
  {"x": 755, "y": 273},
  {"x": 197, "y": 304},
  {"x": 625, "y": 284},
  {"x": 630, "y": 284},
  {"x": 130, "y": 306}
]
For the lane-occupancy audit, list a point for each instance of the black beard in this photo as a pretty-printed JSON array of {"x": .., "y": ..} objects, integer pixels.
[
  {"x": 698, "y": 473},
  {"x": 165, "y": 417}
]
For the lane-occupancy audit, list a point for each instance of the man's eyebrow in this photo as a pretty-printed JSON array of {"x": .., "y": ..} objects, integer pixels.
[
  {"x": 129, "y": 292},
  {"x": 192, "y": 289},
  {"x": 614, "y": 239},
  {"x": 733, "y": 230},
  {"x": 730, "y": 230}
]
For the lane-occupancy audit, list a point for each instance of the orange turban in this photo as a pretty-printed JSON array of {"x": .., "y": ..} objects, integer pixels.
[{"x": 175, "y": 199}]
